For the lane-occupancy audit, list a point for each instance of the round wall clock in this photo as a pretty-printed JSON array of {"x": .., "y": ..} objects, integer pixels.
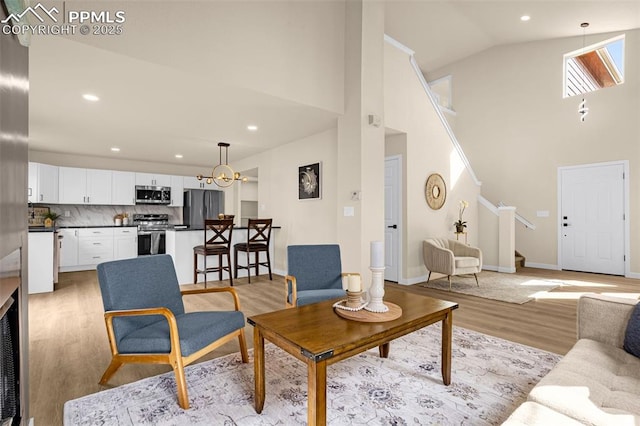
[{"x": 435, "y": 191}]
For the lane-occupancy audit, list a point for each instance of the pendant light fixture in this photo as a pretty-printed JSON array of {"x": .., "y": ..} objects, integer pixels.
[
  {"x": 583, "y": 110},
  {"x": 222, "y": 174}
]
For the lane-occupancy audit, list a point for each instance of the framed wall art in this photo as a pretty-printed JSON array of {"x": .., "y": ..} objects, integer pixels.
[{"x": 310, "y": 182}]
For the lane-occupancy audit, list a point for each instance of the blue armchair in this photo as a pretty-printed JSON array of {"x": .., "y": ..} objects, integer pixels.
[
  {"x": 314, "y": 274},
  {"x": 147, "y": 323}
]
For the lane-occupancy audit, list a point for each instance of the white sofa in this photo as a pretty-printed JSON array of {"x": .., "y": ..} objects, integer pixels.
[{"x": 597, "y": 382}]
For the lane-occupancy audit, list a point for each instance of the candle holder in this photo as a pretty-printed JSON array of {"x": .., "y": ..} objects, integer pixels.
[
  {"x": 376, "y": 291},
  {"x": 354, "y": 299}
]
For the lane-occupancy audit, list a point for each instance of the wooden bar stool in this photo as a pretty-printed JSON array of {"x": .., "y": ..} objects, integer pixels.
[
  {"x": 217, "y": 242},
  {"x": 258, "y": 238}
]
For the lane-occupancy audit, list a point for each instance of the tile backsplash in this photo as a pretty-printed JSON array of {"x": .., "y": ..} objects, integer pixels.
[{"x": 84, "y": 215}]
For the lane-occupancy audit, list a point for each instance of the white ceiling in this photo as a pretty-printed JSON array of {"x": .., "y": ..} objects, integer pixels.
[{"x": 152, "y": 120}]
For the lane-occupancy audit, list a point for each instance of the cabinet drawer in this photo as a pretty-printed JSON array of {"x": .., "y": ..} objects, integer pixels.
[
  {"x": 125, "y": 232},
  {"x": 95, "y": 250},
  {"x": 95, "y": 232}
]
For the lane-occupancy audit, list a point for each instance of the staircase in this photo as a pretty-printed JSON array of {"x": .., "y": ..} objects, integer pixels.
[{"x": 519, "y": 260}]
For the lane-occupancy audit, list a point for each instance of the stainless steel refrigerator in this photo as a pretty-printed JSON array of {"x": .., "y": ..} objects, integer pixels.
[{"x": 201, "y": 204}]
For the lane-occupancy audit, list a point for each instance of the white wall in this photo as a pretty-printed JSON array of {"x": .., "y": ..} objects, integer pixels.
[
  {"x": 302, "y": 221},
  {"x": 428, "y": 150},
  {"x": 516, "y": 129}
]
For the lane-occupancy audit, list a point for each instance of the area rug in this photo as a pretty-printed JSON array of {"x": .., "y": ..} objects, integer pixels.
[
  {"x": 497, "y": 286},
  {"x": 490, "y": 378}
]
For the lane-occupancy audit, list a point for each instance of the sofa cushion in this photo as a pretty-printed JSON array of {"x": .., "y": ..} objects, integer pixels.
[
  {"x": 466, "y": 262},
  {"x": 534, "y": 414},
  {"x": 595, "y": 383},
  {"x": 632, "y": 335}
]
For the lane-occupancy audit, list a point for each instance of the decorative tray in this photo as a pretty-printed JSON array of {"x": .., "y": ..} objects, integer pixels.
[{"x": 363, "y": 315}]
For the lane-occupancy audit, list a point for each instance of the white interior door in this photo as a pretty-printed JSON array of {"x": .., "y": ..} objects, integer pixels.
[
  {"x": 592, "y": 218},
  {"x": 392, "y": 204}
]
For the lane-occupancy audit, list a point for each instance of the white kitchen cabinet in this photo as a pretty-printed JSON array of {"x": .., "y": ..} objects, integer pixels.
[
  {"x": 95, "y": 245},
  {"x": 152, "y": 179},
  {"x": 177, "y": 190},
  {"x": 99, "y": 186},
  {"x": 123, "y": 188},
  {"x": 43, "y": 183},
  {"x": 40, "y": 257},
  {"x": 125, "y": 243},
  {"x": 69, "y": 247},
  {"x": 84, "y": 186},
  {"x": 192, "y": 182}
]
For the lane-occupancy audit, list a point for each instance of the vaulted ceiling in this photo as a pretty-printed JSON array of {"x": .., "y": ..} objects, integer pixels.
[{"x": 155, "y": 108}]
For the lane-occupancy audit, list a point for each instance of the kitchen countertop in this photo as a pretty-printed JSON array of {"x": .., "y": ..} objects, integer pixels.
[
  {"x": 55, "y": 228},
  {"x": 202, "y": 229},
  {"x": 41, "y": 229}
]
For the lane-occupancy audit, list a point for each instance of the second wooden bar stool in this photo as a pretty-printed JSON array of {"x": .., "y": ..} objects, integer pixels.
[
  {"x": 217, "y": 242},
  {"x": 258, "y": 238}
]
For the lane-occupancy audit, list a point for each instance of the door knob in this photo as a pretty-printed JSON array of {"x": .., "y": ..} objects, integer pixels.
[{"x": 393, "y": 226}]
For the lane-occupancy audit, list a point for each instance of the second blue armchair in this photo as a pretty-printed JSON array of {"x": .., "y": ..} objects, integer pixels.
[{"x": 314, "y": 274}]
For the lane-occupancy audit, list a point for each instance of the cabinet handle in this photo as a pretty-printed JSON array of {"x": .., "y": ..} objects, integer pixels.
[
  {"x": 30, "y": 192},
  {"x": 75, "y": 232},
  {"x": 41, "y": 197},
  {"x": 96, "y": 257},
  {"x": 88, "y": 199},
  {"x": 84, "y": 199},
  {"x": 97, "y": 244}
]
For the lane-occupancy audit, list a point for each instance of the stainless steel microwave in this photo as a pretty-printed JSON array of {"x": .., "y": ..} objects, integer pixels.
[{"x": 153, "y": 194}]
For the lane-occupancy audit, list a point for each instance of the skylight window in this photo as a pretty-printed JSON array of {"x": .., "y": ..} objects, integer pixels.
[{"x": 594, "y": 67}]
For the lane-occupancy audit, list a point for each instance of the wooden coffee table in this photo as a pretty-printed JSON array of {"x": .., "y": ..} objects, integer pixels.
[{"x": 316, "y": 335}]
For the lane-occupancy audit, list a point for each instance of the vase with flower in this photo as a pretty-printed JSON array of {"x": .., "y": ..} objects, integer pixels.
[{"x": 461, "y": 224}]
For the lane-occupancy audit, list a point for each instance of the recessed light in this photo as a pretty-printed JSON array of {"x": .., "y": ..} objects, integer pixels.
[
  {"x": 252, "y": 127},
  {"x": 178, "y": 155},
  {"x": 115, "y": 149},
  {"x": 525, "y": 18},
  {"x": 90, "y": 97}
]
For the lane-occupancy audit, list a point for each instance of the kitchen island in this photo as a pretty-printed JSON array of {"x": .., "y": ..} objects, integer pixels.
[{"x": 179, "y": 244}]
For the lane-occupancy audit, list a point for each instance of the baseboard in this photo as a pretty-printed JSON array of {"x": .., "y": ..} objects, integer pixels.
[
  {"x": 542, "y": 266},
  {"x": 412, "y": 281},
  {"x": 490, "y": 268},
  {"x": 635, "y": 275},
  {"x": 507, "y": 269},
  {"x": 279, "y": 272}
]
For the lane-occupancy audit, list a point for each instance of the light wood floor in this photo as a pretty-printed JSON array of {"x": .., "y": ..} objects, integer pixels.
[{"x": 69, "y": 350}]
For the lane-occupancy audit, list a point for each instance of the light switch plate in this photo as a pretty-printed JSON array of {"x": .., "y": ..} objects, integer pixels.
[{"x": 349, "y": 211}]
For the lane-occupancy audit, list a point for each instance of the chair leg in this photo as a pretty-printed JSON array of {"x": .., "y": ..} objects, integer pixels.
[
  {"x": 195, "y": 268},
  {"x": 235, "y": 261},
  {"x": 269, "y": 265},
  {"x": 205, "y": 271},
  {"x": 243, "y": 347},
  {"x": 257, "y": 263},
  {"x": 429, "y": 276},
  {"x": 219, "y": 267},
  {"x": 449, "y": 276},
  {"x": 229, "y": 267},
  {"x": 475, "y": 275},
  {"x": 181, "y": 384},
  {"x": 110, "y": 371},
  {"x": 248, "y": 267}
]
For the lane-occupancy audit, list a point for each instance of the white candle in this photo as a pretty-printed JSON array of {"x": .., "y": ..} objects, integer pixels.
[
  {"x": 377, "y": 254},
  {"x": 345, "y": 281},
  {"x": 354, "y": 283}
]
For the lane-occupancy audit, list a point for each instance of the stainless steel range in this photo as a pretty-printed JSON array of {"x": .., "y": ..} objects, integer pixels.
[{"x": 151, "y": 232}]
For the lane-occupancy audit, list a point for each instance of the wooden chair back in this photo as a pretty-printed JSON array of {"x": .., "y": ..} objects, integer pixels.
[
  {"x": 259, "y": 231},
  {"x": 217, "y": 232}
]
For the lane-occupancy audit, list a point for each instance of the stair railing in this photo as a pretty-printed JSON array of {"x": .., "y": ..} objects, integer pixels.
[{"x": 434, "y": 102}]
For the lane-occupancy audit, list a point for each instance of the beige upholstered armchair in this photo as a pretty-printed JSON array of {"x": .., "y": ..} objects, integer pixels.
[{"x": 451, "y": 257}]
